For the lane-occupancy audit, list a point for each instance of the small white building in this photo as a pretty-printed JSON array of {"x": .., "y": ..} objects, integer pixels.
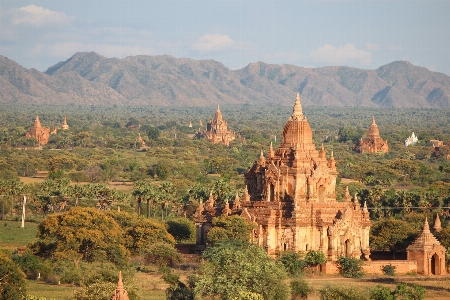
[{"x": 412, "y": 140}]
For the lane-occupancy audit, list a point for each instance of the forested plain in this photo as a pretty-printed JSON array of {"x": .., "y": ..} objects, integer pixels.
[{"x": 98, "y": 164}]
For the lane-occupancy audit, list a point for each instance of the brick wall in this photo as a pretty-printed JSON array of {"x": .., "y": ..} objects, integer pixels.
[{"x": 374, "y": 267}]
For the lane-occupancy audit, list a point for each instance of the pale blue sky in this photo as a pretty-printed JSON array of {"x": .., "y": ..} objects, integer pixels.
[{"x": 362, "y": 34}]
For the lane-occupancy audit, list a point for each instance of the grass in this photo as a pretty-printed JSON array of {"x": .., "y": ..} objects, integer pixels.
[
  {"x": 438, "y": 288},
  {"x": 12, "y": 236},
  {"x": 50, "y": 291}
]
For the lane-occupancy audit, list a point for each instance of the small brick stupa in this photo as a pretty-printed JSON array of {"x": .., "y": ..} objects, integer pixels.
[
  {"x": 428, "y": 252},
  {"x": 120, "y": 293}
]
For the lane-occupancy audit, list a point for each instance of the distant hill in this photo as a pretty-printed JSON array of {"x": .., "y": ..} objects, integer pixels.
[{"x": 89, "y": 78}]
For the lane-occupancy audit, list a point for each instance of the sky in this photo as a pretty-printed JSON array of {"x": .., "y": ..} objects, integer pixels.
[{"x": 362, "y": 34}]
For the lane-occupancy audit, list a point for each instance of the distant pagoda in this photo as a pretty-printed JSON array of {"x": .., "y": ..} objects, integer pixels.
[
  {"x": 41, "y": 134},
  {"x": 65, "y": 126},
  {"x": 373, "y": 143},
  {"x": 217, "y": 130}
]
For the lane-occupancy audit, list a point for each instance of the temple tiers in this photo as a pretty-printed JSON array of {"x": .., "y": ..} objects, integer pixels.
[
  {"x": 291, "y": 197},
  {"x": 41, "y": 134},
  {"x": 217, "y": 130},
  {"x": 373, "y": 143}
]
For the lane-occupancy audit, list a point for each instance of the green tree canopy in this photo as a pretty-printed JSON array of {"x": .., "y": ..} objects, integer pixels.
[
  {"x": 230, "y": 228},
  {"x": 393, "y": 235},
  {"x": 82, "y": 234},
  {"x": 233, "y": 268},
  {"x": 182, "y": 229},
  {"x": 12, "y": 280}
]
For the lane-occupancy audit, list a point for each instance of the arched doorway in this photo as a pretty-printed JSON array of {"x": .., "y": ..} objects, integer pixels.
[
  {"x": 347, "y": 248},
  {"x": 435, "y": 265},
  {"x": 271, "y": 193}
]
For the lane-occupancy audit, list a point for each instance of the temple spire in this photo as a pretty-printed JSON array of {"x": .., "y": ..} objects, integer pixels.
[
  {"x": 437, "y": 224},
  {"x": 322, "y": 153},
  {"x": 297, "y": 113},
  {"x": 37, "y": 122},
  {"x": 373, "y": 121},
  {"x": 426, "y": 226},
  {"x": 120, "y": 293}
]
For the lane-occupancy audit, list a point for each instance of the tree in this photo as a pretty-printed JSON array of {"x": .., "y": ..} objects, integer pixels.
[
  {"x": 144, "y": 232},
  {"x": 81, "y": 234},
  {"x": 392, "y": 235},
  {"x": 162, "y": 254},
  {"x": 12, "y": 280},
  {"x": 232, "y": 268},
  {"x": 230, "y": 228},
  {"x": 182, "y": 229},
  {"x": 350, "y": 267},
  {"x": 153, "y": 133}
]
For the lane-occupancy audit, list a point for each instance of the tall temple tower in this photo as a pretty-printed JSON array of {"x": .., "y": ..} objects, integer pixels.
[
  {"x": 373, "y": 143},
  {"x": 291, "y": 197}
]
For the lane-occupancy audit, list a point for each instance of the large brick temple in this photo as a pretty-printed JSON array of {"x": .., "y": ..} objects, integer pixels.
[
  {"x": 291, "y": 196},
  {"x": 217, "y": 130}
]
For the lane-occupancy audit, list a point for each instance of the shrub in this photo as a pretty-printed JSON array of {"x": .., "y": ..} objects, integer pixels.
[
  {"x": 350, "y": 267},
  {"x": 182, "y": 229},
  {"x": 32, "y": 266},
  {"x": 381, "y": 293},
  {"x": 162, "y": 255},
  {"x": 415, "y": 292},
  {"x": 342, "y": 293},
  {"x": 314, "y": 258},
  {"x": 292, "y": 263},
  {"x": 388, "y": 270},
  {"x": 12, "y": 283},
  {"x": 402, "y": 291},
  {"x": 299, "y": 289}
]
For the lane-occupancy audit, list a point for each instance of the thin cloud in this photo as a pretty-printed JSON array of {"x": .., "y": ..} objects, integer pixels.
[
  {"x": 340, "y": 55},
  {"x": 37, "y": 16},
  {"x": 213, "y": 42},
  {"x": 371, "y": 46},
  {"x": 394, "y": 47},
  {"x": 291, "y": 56}
]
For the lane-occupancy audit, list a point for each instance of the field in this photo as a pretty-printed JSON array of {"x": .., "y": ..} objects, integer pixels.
[{"x": 12, "y": 236}]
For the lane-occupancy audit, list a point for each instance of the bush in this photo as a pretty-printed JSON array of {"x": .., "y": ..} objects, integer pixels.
[
  {"x": 381, "y": 293},
  {"x": 342, "y": 293},
  {"x": 162, "y": 255},
  {"x": 12, "y": 283},
  {"x": 299, "y": 289},
  {"x": 415, "y": 292},
  {"x": 402, "y": 291},
  {"x": 292, "y": 262},
  {"x": 315, "y": 258},
  {"x": 33, "y": 266},
  {"x": 182, "y": 229},
  {"x": 350, "y": 267},
  {"x": 388, "y": 270}
]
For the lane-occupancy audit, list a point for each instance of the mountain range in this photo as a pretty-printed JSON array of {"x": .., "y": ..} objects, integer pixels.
[{"x": 91, "y": 79}]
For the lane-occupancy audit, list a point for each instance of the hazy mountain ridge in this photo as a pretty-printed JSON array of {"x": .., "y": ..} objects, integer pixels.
[{"x": 89, "y": 78}]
